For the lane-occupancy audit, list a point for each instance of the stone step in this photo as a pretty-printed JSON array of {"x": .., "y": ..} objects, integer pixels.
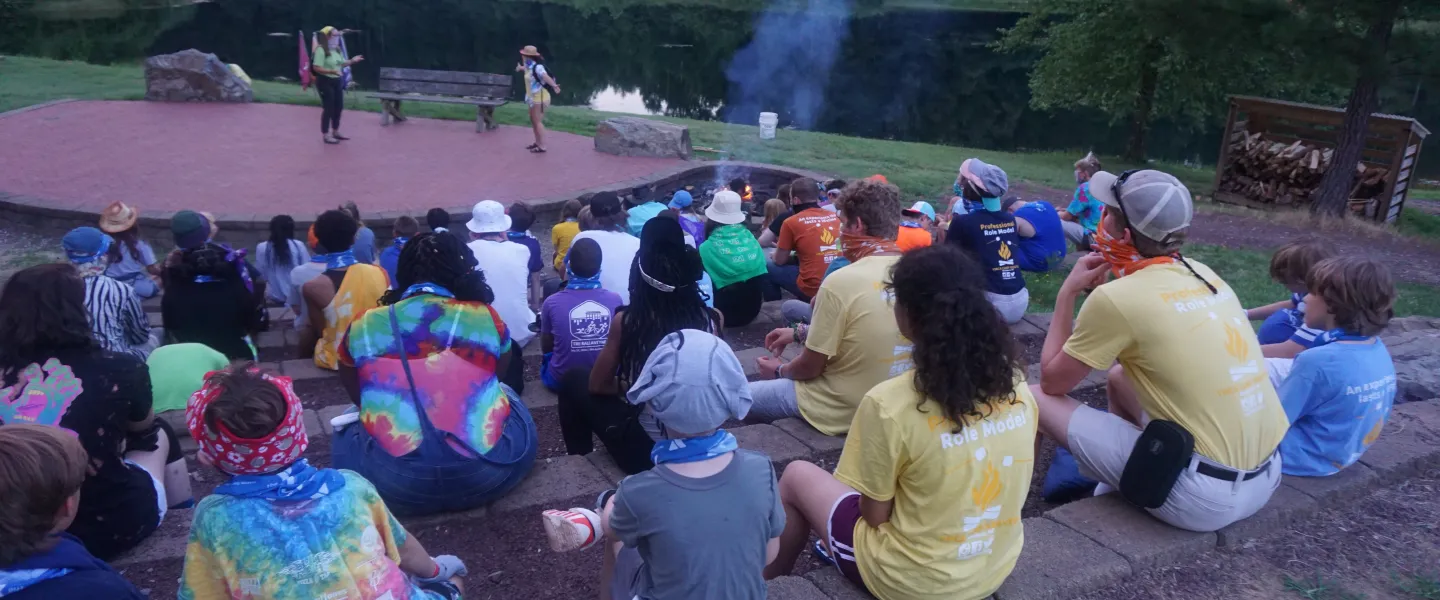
[
  {"x": 811, "y": 437},
  {"x": 792, "y": 588},
  {"x": 536, "y": 395},
  {"x": 1142, "y": 540},
  {"x": 279, "y": 336},
  {"x": 157, "y": 319},
  {"x": 1057, "y": 562},
  {"x": 781, "y": 447},
  {"x": 303, "y": 369}
]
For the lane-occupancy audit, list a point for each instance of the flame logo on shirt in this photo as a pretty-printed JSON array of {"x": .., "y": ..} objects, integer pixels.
[
  {"x": 989, "y": 488},
  {"x": 826, "y": 238},
  {"x": 1004, "y": 250},
  {"x": 1374, "y": 434},
  {"x": 1235, "y": 344}
]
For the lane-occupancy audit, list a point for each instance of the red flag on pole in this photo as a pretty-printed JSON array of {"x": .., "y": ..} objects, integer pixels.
[{"x": 305, "y": 74}]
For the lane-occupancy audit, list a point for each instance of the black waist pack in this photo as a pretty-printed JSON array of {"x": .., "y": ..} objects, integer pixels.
[{"x": 1162, "y": 453}]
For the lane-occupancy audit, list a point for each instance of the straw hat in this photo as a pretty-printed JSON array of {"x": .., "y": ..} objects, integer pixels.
[
  {"x": 530, "y": 51},
  {"x": 118, "y": 217}
]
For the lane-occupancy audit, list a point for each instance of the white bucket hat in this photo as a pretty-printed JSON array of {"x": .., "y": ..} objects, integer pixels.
[
  {"x": 725, "y": 208},
  {"x": 488, "y": 216}
]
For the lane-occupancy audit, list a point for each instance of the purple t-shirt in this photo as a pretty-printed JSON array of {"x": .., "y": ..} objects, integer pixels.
[{"x": 579, "y": 320}]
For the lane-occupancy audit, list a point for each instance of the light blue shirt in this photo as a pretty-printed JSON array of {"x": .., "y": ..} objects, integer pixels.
[
  {"x": 365, "y": 246},
  {"x": 1338, "y": 398},
  {"x": 642, "y": 214}
]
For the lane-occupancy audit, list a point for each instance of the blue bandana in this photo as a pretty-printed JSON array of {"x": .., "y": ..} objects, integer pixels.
[
  {"x": 400, "y": 242},
  {"x": 336, "y": 260},
  {"x": 576, "y": 282},
  {"x": 427, "y": 288},
  {"x": 14, "y": 581},
  {"x": 1337, "y": 335},
  {"x": 912, "y": 224},
  {"x": 516, "y": 236},
  {"x": 685, "y": 450},
  {"x": 299, "y": 481}
]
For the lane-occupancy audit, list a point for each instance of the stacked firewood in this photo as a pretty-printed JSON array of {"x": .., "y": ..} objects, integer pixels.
[{"x": 1287, "y": 174}]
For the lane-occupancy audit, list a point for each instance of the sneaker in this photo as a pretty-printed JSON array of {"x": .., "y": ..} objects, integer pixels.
[
  {"x": 331, "y": 140},
  {"x": 574, "y": 529}
]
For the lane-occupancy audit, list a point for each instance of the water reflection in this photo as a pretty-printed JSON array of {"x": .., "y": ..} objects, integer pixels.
[{"x": 616, "y": 100}]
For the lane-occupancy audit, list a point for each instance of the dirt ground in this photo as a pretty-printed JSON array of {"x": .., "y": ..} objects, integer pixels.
[{"x": 1386, "y": 546}]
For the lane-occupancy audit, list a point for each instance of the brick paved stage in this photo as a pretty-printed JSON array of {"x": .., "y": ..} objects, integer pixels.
[{"x": 258, "y": 160}]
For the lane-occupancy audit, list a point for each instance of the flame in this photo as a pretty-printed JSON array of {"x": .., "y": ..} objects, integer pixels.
[
  {"x": 985, "y": 494},
  {"x": 1235, "y": 344},
  {"x": 1004, "y": 250},
  {"x": 1374, "y": 433},
  {"x": 826, "y": 237},
  {"x": 749, "y": 193}
]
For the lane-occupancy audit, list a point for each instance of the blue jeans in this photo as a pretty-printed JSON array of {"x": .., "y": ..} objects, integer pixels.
[
  {"x": 783, "y": 278},
  {"x": 435, "y": 478}
]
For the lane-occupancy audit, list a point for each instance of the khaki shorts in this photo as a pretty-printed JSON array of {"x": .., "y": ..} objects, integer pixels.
[{"x": 1102, "y": 442}]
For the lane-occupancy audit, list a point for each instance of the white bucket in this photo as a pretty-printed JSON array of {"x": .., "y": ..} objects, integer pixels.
[{"x": 768, "y": 121}]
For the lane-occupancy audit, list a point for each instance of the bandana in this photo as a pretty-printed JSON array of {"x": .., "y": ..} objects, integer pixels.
[
  {"x": 12, "y": 582},
  {"x": 92, "y": 269},
  {"x": 695, "y": 449},
  {"x": 238, "y": 456},
  {"x": 237, "y": 258},
  {"x": 576, "y": 282},
  {"x": 427, "y": 288},
  {"x": 910, "y": 224},
  {"x": 336, "y": 260},
  {"x": 856, "y": 247},
  {"x": 400, "y": 242},
  {"x": 1124, "y": 259},
  {"x": 299, "y": 481},
  {"x": 516, "y": 236},
  {"x": 1337, "y": 335},
  {"x": 653, "y": 282}
]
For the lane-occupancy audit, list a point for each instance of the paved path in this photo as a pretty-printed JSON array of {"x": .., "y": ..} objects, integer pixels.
[{"x": 268, "y": 159}]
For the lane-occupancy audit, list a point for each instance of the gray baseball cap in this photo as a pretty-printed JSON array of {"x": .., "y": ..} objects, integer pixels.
[
  {"x": 1155, "y": 203},
  {"x": 990, "y": 179},
  {"x": 692, "y": 383}
]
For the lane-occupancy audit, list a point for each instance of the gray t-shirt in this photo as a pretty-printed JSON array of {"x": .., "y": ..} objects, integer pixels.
[{"x": 701, "y": 538}]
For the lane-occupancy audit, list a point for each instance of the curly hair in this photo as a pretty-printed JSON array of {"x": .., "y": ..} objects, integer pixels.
[
  {"x": 41, "y": 468},
  {"x": 875, "y": 203},
  {"x": 1358, "y": 291},
  {"x": 42, "y": 311},
  {"x": 441, "y": 259},
  {"x": 965, "y": 358},
  {"x": 653, "y": 314}
]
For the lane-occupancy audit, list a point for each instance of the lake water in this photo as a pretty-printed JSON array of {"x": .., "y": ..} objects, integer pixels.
[{"x": 919, "y": 75}]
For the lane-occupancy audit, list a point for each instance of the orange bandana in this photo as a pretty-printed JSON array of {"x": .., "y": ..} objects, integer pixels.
[
  {"x": 856, "y": 247},
  {"x": 1124, "y": 259}
]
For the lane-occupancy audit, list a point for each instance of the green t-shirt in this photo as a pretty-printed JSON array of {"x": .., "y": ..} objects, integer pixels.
[
  {"x": 177, "y": 371},
  {"x": 731, "y": 254},
  {"x": 331, "y": 60}
]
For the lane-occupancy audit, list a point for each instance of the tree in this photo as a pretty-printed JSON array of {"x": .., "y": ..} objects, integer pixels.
[{"x": 1136, "y": 60}]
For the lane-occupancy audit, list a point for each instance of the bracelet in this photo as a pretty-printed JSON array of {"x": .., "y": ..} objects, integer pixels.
[
  {"x": 779, "y": 371},
  {"x": 801, "y": 331}
]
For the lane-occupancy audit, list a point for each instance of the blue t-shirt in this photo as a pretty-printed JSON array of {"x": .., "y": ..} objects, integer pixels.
[
  {"x": 639, "y": 215},
  {"x": 390, "y": 261},
  {"x": 1085, "y": 208},
  {"x": 365, "y": 246},
  {"x": 1338, "y": 397},
  {"x": 1047, "y": 248},
  {"x": 537, "y": 261},
  {"x": 1288, "y": 324}
]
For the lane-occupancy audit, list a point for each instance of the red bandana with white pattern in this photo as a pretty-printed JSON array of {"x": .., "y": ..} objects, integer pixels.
[{"x": 239, "y": 456}]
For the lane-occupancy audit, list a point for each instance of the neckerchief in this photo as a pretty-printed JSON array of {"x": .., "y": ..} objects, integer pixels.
[
  {"x": 1337, "y": 335},
  {"x": 336, "y": 260},
  {"x": 13, "y": 581},
  {"x": 237, "y": 257},
  {"x": 91, "y": 269},
  {"x": 685, "y": 450},
  {"x": 427, "y": 288},
  {"x": 516, "y": 236},
  {"x": 576, "y": 282},
  {"x": 239, "y": 456},
  {"x": 400, "y": 242},
  {"x": 856, "y": 247},
  {"x": 911, "y": 224},
  {"x": 299, "y": 481},
  {"x": 1124, "y": 259}
]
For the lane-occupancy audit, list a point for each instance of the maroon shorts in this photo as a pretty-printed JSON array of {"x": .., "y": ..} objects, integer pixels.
[{"x": 843, "y": 517}]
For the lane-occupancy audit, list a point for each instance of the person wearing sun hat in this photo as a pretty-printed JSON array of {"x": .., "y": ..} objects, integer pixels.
[
  {"x": 507, "y": 268},
  {"x": 132, "y": 260},
  {"x": 537, "y": 98},
  {"x": 702, "y": 523},
  {"x": 116, "y": 316},
  {"x": 1187, "y": 360},
  {"x": 915, "y": 225},
  {"x": 734, "y": 260},
  {"x": 276, "y": 510},
  {"x": 989, "y": 235}
]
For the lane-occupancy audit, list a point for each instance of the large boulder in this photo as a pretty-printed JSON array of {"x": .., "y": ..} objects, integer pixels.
[
  {"x": 1414, "y": 344},
  {"x": 193, "y": 76},
  {"x": 633, "y": 136}
]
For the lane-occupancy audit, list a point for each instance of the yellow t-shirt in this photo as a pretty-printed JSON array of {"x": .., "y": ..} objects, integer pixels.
[
  {"x": 955, "y": 532},
  {"x": 561, "y": 236},
  {"x": 1192, "y": 356},
  {"x": 854, "y": 325}
]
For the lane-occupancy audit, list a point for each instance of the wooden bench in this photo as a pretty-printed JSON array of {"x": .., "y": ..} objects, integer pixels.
[{"x": 484, "y": 90}]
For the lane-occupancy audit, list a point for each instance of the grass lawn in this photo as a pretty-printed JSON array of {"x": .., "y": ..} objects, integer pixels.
[{"x": 921, "y": 170}]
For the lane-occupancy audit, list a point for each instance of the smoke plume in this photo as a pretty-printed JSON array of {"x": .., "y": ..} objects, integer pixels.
[{"x": 786, "y": 66}]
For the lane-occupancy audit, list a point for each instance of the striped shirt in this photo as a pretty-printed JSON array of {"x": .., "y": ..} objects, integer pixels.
[{"x": 116, "y": 317}]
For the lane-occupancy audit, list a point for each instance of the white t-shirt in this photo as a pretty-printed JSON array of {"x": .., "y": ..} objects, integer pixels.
[
  {"x": 507, "y": 270},
  {"x": 617, "y": 253},
  {"x": 276, "y": 275}
]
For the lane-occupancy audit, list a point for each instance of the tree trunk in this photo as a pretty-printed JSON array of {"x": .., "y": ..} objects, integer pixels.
[
  {"x": 1144, "y": 101},
  {"x": 1332, "y": 198}
]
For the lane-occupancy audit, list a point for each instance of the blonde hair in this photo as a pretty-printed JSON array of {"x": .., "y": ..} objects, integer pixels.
[
  {"x": 1090, "y": 165},
  {"x": 773, "y": 208}
]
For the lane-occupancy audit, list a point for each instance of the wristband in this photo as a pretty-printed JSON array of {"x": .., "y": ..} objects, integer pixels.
[
  {"x": 780, "y": 371},
  {"x": 437, "y": 569}
]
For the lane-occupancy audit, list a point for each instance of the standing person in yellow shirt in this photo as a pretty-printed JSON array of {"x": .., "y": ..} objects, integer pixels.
[
  {"x": 1190, "y": 366},
  {"x": 852, "y": 343},
  {"x": 328, "y": 64},
  {"x": 925, "y": 503}
]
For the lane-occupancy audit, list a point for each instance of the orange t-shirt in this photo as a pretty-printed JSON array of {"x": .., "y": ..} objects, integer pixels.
[
  {"x": 911, "y": 238},
  {"x": 814, "y": 235}
]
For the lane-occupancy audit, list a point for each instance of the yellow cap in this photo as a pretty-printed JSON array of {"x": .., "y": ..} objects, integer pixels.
[{"x": 327, "y": 30}]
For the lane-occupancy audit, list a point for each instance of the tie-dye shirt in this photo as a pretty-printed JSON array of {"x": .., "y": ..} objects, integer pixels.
[
  {"x": 343, "y": 545},
  {"x": 454, "y": 347}
]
